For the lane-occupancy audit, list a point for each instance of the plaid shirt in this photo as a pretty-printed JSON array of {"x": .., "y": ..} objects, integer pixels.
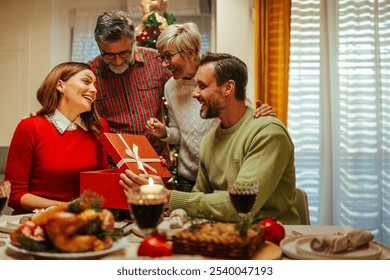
[{"x": 128, "y": 100}]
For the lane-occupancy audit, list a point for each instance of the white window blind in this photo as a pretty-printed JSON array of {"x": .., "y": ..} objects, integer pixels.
[
  {"x": 304, "y": 99},
  {"x": 84, "y": 47},
  {"x": 339, "y": 110}
]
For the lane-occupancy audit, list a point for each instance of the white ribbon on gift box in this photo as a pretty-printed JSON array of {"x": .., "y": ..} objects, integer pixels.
[{"x": 133, "y": 154}]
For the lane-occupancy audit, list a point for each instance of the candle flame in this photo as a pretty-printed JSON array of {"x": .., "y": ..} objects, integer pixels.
[{"x": 151, "y": 181}]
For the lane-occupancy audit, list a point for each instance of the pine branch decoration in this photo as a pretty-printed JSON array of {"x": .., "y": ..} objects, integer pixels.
[{"x": 153, "y": 22}]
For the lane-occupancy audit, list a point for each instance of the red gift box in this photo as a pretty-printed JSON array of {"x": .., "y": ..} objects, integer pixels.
[
  {"x": 134, "y": 152},
  {"x": 106, "y": 183}
]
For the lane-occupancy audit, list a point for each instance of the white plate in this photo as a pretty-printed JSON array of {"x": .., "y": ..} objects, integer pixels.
[
  {"x": 117, "y": 245},
  {"x": 372, "y": 252},
  {"x": 15, "y": 222},
  {"x": 12, "y": 223},
  {"x": 5, "y": 228},
  {"x": 289, "y": 248}
]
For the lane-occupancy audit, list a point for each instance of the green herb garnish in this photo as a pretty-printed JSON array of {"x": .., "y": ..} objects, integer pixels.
[
  {"x": 33, "y": 245},
  {"x": 87, "y": 200}
]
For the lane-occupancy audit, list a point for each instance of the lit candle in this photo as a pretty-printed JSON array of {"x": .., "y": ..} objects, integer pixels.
[{"x": 151, "y": 188}]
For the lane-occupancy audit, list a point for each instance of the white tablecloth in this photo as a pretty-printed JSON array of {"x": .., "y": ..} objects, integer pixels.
[{"x": 130, "y": 249}]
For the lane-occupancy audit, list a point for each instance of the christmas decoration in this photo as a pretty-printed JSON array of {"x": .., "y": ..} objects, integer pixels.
[
  {"x": 173, "y": 154},
  {"x": 155, "y": 19}
]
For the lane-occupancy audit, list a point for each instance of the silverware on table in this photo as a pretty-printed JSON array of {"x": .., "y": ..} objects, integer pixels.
[{"x": 294, "y": 232}]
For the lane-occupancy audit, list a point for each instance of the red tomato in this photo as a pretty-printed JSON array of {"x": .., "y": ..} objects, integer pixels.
[
  {"x": 32, "y": 231},
  {"x": 273, "y": 230},
  {"x": 155, "y": 246}
]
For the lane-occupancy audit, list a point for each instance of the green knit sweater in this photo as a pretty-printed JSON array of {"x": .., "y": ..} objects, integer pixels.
[{"x": 253, "y": 149}]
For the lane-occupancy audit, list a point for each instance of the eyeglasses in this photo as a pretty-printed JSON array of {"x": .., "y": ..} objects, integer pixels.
[
  {"x": 111, "y": 56},
  {"x": 168, "y": 57}
]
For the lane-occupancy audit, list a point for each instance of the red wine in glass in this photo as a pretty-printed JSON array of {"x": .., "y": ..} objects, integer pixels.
[
  {"x": 5, "y": 188},
  {"x": 243, "y": 203},
  {"x": 243, "y": 197},
  {"x": 3, "y": 201},
  {"x": 147, "y": 216}
]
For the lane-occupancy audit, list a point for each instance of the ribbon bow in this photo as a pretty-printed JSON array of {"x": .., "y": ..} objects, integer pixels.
[{"x": 134, "y": 157}]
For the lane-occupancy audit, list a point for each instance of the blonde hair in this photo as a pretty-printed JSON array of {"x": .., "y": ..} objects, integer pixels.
[{"x": 183, "y": 37}]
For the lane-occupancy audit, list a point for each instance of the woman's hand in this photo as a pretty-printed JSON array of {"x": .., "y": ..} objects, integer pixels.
[
  {"x": 263, "y": 110},
  {"x": 156, "y": 128}
]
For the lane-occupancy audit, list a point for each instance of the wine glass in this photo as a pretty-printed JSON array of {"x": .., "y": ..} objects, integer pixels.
[
  {"x": 243, "y": 197},
  {"x": 147, "y": 207},
  {"x": 5, "y": 189}
]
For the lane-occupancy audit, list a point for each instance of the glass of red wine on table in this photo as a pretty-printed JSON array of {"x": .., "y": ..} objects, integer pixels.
[
  {"x": 243, "y": 197},
  {"x": 147, "y": 206},
  {"x": 5, "y": 189}
]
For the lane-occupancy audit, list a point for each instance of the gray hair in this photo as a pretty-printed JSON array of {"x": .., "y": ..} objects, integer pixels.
[
  {"x": 183, "y": 37},
  {"x": 112, "y": 26}
]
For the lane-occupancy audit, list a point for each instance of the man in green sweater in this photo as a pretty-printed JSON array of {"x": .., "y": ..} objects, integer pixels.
[{"x": 241, "y": 149}]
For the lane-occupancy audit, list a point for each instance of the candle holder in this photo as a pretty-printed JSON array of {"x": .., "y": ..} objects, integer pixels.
[{"x": 146, "y": 206}]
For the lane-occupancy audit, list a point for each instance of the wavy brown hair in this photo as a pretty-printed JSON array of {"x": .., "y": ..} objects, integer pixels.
[{"x": 49, "y": 96}]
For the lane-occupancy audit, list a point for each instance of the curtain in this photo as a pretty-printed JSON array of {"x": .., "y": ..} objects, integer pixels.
[
  {"x": 272, "y": 48},
  {"x": 84, "y": 47},
  {"x": 339, "y": 110}
]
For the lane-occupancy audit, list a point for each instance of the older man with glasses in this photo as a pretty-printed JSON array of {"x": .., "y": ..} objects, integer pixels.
[{"x": 130, "y": 80}]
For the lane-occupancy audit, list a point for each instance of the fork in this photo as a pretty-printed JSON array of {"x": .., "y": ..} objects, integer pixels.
[
  {"x": 295, "y": 233},
  {"x": 127, "y": 222}
]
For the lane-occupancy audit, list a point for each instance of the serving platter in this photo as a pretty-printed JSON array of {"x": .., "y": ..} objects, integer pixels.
[{"x": 117, "y": 245}]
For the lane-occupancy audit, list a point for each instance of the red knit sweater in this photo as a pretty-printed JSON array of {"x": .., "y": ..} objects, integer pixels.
[{"x": 43, "y": 162}]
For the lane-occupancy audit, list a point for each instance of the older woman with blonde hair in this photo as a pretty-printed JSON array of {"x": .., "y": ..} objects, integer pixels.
[
  {"x": 48, "y": 151},
  {"x": 179, "y": 46}
]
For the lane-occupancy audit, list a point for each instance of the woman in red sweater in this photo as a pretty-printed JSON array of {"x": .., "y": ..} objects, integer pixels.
[{"x": 47, "y": 152}]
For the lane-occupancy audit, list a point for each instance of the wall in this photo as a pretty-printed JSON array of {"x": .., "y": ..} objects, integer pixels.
[
  {"x": 234, "y": 33},
  {"x": 14, "y": 54}
]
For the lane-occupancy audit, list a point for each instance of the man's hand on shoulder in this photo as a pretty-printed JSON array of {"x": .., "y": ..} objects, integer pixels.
[{"x": 32, "y": 114}]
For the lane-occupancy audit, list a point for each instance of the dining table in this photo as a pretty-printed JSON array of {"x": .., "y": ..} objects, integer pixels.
[{"x": 126, "y": 249}]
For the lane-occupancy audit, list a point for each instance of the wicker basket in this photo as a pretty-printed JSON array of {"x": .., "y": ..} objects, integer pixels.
[{"x": 218, "y": 240}]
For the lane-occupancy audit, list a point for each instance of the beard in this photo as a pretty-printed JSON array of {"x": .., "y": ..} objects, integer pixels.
[
  {"x": 119, "y": 69},
  {"x": 211, "y": 112},
  {"x": 122, "y": 68},
  {"x": 215, "y": 108}
]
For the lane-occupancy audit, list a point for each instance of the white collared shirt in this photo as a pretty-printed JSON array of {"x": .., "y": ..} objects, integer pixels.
[{"x": 62, "y": 124}]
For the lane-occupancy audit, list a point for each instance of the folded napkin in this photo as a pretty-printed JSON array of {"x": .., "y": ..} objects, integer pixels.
[{"x": 339, "y": 243}]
